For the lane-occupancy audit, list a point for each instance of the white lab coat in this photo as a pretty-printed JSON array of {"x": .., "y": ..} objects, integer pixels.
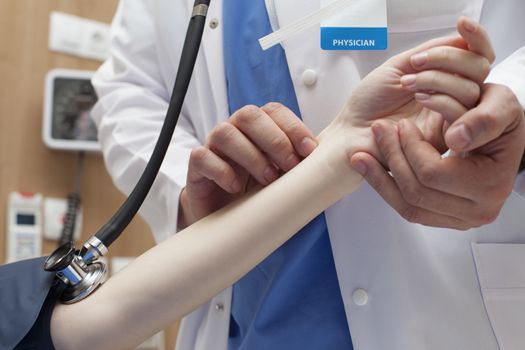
[{"x": 419, "y": 287}]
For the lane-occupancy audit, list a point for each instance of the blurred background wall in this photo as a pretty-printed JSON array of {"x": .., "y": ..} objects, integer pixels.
[{"x": 26, "y": 164}]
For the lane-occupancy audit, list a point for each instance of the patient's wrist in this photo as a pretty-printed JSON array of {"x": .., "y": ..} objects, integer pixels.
[{"x": 337, "y": 144}]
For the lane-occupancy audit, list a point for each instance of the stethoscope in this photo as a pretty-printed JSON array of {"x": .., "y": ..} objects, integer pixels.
[{"x": 83, "y": 271}]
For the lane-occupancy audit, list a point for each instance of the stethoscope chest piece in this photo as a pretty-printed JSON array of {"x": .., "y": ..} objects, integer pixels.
[
  {"x": 95, "y": 276},
  {"x": 80, "y": 278}
]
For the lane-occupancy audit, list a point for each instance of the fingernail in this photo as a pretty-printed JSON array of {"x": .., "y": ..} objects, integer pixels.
[
  {"x": 378, "y": 133},
  {"x": 307, "y": 146},
  {"x": 407, "y": 80},
  {"x": 470, "y": 24},
  {"x": 360, "y": 167},
  {"x": 236, "y": 186},
  {"x": 459, "y": 137},
  {"x": 292, "y": 161},
  {"x": 420, "y": 96},
  {"x": 270, "y": 174},
  {"x": 419, "y": 59}
]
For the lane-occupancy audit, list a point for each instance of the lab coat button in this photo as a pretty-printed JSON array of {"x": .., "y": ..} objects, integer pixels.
[
  {"x": 309, "y": 77},
  {"x": 219, "y": 307},
  {"x": 360, "y": 297},
  {"x": 214, "y": 23}
]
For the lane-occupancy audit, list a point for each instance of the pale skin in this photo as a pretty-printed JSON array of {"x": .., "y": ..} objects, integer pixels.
[
  {"x": 461, "y": 192},
  {"x": 466, "y": 192},
  {"x": 188, "y": 269},
  {"x": 487, "y": 137}
]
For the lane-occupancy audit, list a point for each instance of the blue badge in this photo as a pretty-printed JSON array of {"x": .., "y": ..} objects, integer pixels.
[{"x": 362, "y": 25}]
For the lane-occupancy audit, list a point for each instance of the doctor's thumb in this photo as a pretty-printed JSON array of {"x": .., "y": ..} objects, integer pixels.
[
  {"x": 498, "y": 113},
  {"x": 474, "y": 130}
]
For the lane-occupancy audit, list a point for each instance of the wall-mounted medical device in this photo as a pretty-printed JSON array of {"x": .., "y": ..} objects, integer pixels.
[
  {"x": 24, "y": 226},
  {"x": 68, "y": 99}
]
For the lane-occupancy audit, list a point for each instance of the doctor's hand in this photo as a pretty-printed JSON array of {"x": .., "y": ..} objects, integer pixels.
[
  {"x": 432, "y": 85},
  {"x": 466, "y": 189},
  {"x": 253, "y": 147}
]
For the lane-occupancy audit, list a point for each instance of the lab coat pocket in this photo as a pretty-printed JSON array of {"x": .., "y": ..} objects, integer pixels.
[
  {"x": 416, "y": 15},
  {"x": 501, "y": 273}
]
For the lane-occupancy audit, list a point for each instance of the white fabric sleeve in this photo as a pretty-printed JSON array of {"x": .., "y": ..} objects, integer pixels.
[
  {"x": 129, "y": 114},
  {"x": 511, "y": 72}
]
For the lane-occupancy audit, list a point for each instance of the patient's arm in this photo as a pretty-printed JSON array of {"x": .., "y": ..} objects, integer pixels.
[
  {"x": 181, "y": 273},
  {"x": 188, "y": 269}
]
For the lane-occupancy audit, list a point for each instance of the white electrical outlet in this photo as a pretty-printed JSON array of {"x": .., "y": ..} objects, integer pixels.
[
  {"x": 79, "y": 36},
  {"x": 55, "y": 210}
]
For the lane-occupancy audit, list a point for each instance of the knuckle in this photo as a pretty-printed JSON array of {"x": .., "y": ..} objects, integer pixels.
[
  {"x": 272, "y": 107},
  {"x": 486, "y": 121},
  {"x": 413, "y": 195},
  {"x": 444, "y": 54},
  {"x": 487, "y": 217},
  {"x": 433, "y": 78},
  {"x": 224, "y": 175},
  {"x": 473, "y": 92},
  {"x": 484, "y": 67},
  {"x": 388, "y": 152},
  {"x": 293, "y": 128},
  {"x": 510, "y": 98},
  {"x": 446, "y": 103},
  {"x": 410, "y": 214},
  {"x": 507, "y": 92},
  {"x": 463, "y": 226},
  {"x": 246, "y": 115},
  {"x": 222, "y": 133},
  {"x": 279, "y": 145},
  {"x": 427, "y": 175},
  {"x": 198, "y": 155},
  {"x": 253, "y": 162}
]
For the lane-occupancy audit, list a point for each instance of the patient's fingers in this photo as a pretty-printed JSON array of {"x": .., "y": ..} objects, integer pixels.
[
  {"x": 452, "y": 60},
  {"x": 477, "y": 38},
  {"x": 447, "y": 106},
  {"x": 465, "y": 91}
]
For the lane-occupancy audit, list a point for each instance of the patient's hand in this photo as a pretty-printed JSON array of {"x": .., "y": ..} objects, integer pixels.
[{"x": 431, "y": 85}]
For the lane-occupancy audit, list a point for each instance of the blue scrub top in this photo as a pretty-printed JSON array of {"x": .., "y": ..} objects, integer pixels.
[{"x": 292, "y": 299}]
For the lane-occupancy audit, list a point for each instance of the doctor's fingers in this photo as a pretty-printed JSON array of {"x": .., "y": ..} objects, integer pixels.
[
  {"x": 277, "y": 138},
  {"x": 482, "y": 180},
  {"x": 417, "y": 166},
  {"x": 498, "y": 112},
  {"x": 299, "y": 134},
  {"x": 452, "y": 60},
  {"x": 206, "y": 170},
  {"x": 388, "y": 189},
  {"x": 465, "y": 91},
  {"x": 412, "y": 197},
  {"x": 226, "y": 141},
  {"x": 476, "y": 37}
]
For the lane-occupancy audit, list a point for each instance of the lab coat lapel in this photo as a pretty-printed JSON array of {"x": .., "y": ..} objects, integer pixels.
[
  {"x": 212, "y": 50},
  {"x": 302, "y": 53}
]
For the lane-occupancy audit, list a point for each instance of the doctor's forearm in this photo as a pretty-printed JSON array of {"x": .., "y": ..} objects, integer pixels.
[{"x": 185, "y": 271}]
